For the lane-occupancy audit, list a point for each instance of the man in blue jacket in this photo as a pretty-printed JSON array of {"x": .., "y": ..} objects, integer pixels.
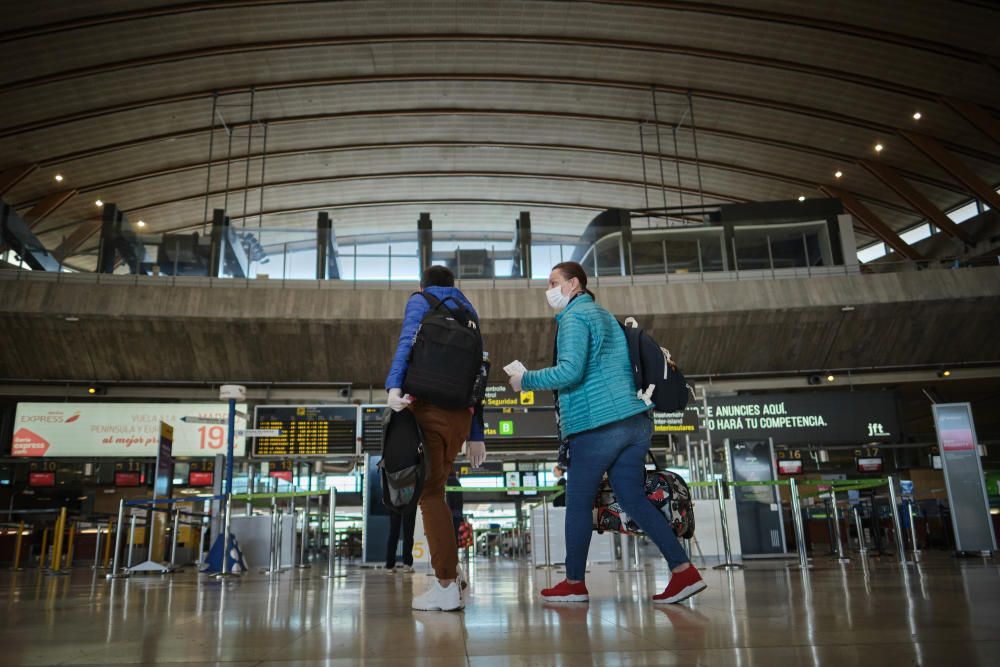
[{"x": 444, "y": 432}]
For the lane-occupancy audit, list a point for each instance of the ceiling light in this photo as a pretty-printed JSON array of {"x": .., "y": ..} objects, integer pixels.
[
  {"x": 878, "y": 148},
  {"x": 917, "y": 116},
  {"x": 830, "y": 378},
  {"x": 847, "y": 309},
  {"x": 72, "y": 318},
  {"x": 99, "y": 203},
  {"x": 945, "y": 373},
  {"x": 838, "y": 174},
  {"x": 59, "y": 178},
  {"x": 140, "y": 224},
  {"x": 91, "y": 390},
  {"x": 802, "y": 198}
]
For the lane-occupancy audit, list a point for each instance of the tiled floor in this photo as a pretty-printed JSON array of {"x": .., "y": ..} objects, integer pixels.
[{"x": 942, "y": 612}]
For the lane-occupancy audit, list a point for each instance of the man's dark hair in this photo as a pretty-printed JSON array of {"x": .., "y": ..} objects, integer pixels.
[{"x": 437, "y": 276}]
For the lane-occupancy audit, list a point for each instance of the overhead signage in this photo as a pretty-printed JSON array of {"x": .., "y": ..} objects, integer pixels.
[
  {"x": 810, "y": 417},
  {"x": 519, "y": 424},
  {"x": 120, "y": 429},
  {"x": 306, "y": 430},
  {"x": 685, "y": 421},
  {"x": 502, "y": 396}
]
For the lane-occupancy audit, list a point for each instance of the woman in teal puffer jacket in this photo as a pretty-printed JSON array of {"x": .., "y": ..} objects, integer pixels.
[{"x": 607, "y": 428}]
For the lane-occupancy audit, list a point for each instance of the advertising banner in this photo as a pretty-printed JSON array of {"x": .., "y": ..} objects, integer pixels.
[{"x": 122, "y": 429}]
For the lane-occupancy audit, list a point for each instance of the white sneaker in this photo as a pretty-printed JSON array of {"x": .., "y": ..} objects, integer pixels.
[
  {"x": 405, "y": 569},
  {"x": 439, "y": 598}
]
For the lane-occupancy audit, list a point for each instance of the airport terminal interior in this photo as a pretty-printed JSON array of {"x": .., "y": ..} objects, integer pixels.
[{"x": 214, "y": 216}]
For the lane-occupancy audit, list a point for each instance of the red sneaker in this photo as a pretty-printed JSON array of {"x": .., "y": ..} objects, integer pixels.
[
  {"x": 682, "y": 586},
  {"x": 566, "y": 592}
]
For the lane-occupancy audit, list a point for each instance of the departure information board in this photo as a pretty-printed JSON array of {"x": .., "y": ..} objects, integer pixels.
[
  {"x": 306, "y": 430},
  {"x": 371, "y": 427}
]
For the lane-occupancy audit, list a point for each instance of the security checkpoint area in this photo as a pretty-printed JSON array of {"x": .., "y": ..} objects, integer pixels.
[{"x": 230, "y": 230}]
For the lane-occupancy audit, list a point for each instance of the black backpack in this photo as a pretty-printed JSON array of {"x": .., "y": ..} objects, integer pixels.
[
  {"x": 657, "y": 377},
  {"x": 404, "y": 467},
  {"x": 445, "y": 366}
]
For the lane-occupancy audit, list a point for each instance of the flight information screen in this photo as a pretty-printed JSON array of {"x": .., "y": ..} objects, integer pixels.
[{"x": 306, "y": 430}]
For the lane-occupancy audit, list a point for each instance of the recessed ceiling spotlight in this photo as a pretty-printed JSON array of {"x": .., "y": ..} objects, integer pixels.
[
  {"x": 99, "y": 203},
  {"x": 878, "y": 148},
  {"x": 59, "y": 178},
  {"x": 838, "y": 174},
  {"x": 802, "y": 197},
  {"x": 72, "y": 318},
  {"x": 140, "y": 224},
  {"x": 830, "y": 378},
  {"x": 917, "y": 116}
]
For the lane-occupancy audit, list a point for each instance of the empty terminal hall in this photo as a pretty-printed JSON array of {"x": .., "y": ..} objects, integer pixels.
[{"x": 488, "y": 334}]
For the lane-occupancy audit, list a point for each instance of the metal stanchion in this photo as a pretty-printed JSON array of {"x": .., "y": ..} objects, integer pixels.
[
  {"x": 119, "y": 527},
  {"x": 913, "y": 529},
  {"x": 896, "y": 525},
  {"x": 545, "y": 527},
  {"x": 304, "y": 538},
  {"x": 16, "y": 566},
  {"x": 173, "y": 538},
  {"x": 131, "y": 541},
  {"x": 98, "y": 543},
  {"x": 862, "y": 549},
  {"x": 278, "y": 542},
  {"x": 272, "y": 562},
  {"x": 226, "y": 568},
  {"x": 635, "y": 552},
  {"x": 332, "y": 547},
  {"x": 800, "y": 533},
  {"x": 106, "y": 558},
  {"x": 201, "y": 542},
  {"x": 45, "y": 548},
  {"x": 291, "y": 512},
  {"x": 70, "y": 545},
  {"x": 841, "y": 556},
  {"x": 57, "y": 542},
  {"x": 728, "y": 564}
]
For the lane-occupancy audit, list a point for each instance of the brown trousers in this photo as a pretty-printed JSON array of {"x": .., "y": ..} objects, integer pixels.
[{"x": 444, "y": 432}]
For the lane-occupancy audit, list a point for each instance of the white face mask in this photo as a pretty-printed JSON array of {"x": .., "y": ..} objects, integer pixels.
[{"x": 556, "y": 298}]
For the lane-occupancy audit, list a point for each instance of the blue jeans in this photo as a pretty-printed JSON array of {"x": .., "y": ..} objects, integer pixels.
[{"x": 620, "y": 450}]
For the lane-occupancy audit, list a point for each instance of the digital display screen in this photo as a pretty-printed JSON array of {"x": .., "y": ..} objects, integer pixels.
[
  {"x": 128, "y": 479},
  {"x": 306, "y": 430},
  {"x": 371, "y": 427},
  {"x": 41, "y": 479},
  {"x": 873, "y": 464},
  {"x": 200, "y": 478},
  {"x": 789, "y": 467}
]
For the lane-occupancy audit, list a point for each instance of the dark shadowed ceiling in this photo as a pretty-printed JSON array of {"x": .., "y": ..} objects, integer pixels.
[{"x": 473, "y": 111}]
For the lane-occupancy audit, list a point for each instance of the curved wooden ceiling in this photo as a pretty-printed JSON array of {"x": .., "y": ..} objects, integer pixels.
[{"x": 377, "y": 109}]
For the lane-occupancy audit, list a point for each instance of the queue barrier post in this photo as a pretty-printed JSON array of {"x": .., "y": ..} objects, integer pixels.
[
  {"x": 226, "y": 570},
  {"x": 106, "y": 558},
  {"x": 862, "y": 548},
  {"x": 728, "y": 564},
  {"x": 16, "y": 566},
  {"x": 69, "y": 547},
  {"x": 545, "y": 536},
  {"x": 173, "y": 538},
  {"x": 131, "y": 540},
  {"x": 331, "y": 552},
  {"x": 304, "y": 538},
  {"x": 119, "y": 527},
  {"x": 896, "y": 523},
  {"x": 841, "y": 556},
  {"x": 98, "y": 544},
  {"x": 57, "y": 542},
  {"x": 910, "y": 507},
  {"x": 800, "y": 539},
  {"x": 45, "y": 548}
]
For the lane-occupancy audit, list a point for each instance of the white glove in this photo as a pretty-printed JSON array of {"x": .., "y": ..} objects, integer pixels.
[
  {"x": 397, "y": 401},
  {"x": 476, "y": 451},
  {"x": 515, "y": 381}
]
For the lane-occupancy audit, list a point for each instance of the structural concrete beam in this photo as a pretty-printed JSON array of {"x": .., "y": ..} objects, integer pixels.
[
  {"x": 872, "y": 222},
  {"x": 918, "y": 201},
  {"x": 955, "y": 167}
]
